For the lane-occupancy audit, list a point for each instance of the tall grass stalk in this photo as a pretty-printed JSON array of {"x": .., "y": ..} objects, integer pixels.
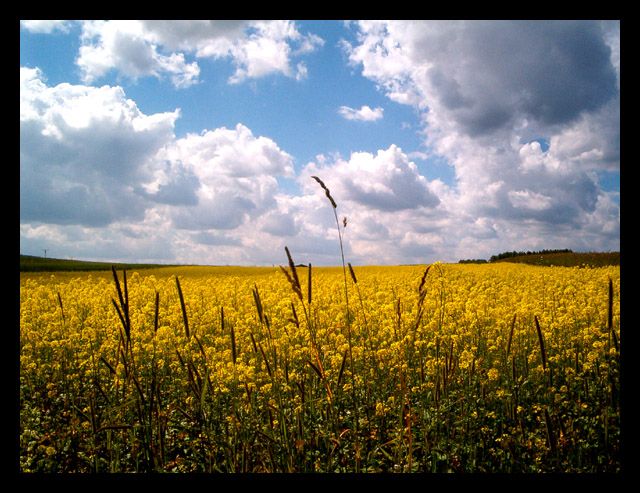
[
  {"x": 294, "y": 281},
  {"x": 346, "y": 292},
  {"x": 364, "y": 313},
  {"x": 513, "y": 325},
  {"x": 610, "y": 328},
  {"x": 123, "y": 308},
  {"x": 183, "y": 308},
  {"x": 543, "y": 353},
  {"x": 61, "y": 308},
  {"x": 344, "y": 267}
]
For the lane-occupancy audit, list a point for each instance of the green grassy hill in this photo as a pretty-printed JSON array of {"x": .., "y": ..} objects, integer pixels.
[{"x": 30, "y": 263}]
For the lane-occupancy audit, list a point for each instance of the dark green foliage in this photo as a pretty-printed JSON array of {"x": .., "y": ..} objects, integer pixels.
[
  {"x": 559, "y": 258},
  {"x": 504, "y": 255}
]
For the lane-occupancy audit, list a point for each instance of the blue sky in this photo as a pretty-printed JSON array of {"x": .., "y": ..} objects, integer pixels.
[{"x": 194, "y": 141}]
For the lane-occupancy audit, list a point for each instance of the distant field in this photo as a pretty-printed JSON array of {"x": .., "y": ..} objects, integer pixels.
[
  {"x": 29, "y": 263},
  {"x": 571, "y": 259}
]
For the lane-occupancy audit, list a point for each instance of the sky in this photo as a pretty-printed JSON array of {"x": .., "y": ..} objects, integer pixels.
[{"x": 195, "y": 141}]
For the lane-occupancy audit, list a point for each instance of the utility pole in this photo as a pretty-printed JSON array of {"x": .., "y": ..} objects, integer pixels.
[{"x": 45, "y": 253}]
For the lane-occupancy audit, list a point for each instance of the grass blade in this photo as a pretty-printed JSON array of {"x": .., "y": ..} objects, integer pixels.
[
  {"x": 610, "y": 307},
  {"x": 513, "y": 324},
  {"x": 232, "y": 331},
  {"x": 157, "y": 310},
  {"x": 123, "y": 312},
  {"x": 256, "y": 299},
  {"x": 62, "y": 307},
  {"x": 309, "y": 284},
  {"x": 344, "y": 360},
  {"x": 184, "y": 308},
  {"x": 610, "y": 328},
  {"x": 541, "y": 341}
]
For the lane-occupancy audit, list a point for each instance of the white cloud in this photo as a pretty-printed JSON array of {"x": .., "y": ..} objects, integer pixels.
[
  {"x": 268, "y": 49},
  {"x": 235, "y": 172},
  {"x": 485, "y": 95},
  {"x": 124, "y": 45},
  {"x": 301, "y": 71},
  {"x": 385, "y": 199},
  {"x": 159, "y": 48},
  {"x": 141, "y": 241},
  {"x": 384, "y": 181},
  {"x": 46, "y": 26},
  {"x": 526, "y": 199},
  {"x": 592, "y": 141},
  {"x": 364, "y": 114},
  {"x": 483, "y": 75},
  {"x": 232, "y": 152},
  {"x": 279, "y": 224},
  {"x": 97, "y": 171},
  {"x": 83, "y": 152},
  {"x": 611, "y": 30}
]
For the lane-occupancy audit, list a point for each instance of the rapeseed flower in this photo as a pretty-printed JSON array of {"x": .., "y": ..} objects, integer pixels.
[{"x": 237, "y": 392}]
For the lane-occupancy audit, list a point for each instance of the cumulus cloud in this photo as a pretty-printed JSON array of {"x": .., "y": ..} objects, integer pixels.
[
  {"x": 364, "y": 114},
  {"x": 90, "y": 159},
  {"x": 382, "y": 194},
  {"x": 487, "y": 93},
  {"x": 173, "y": 183},
  {"x": 484, "y": 75},
  {"x": 83, "y": 150},
  {"x": 158, "y": 48},
  {"x": 46, "y": 26},
  {"x": 126, "y": 47},
  {"x": 232, "y": 152},
  {"x": 526, "y": 199},
  {"x": 279, "y": 224},
  {"x": 233, "y": 173},
  {"x": 213, "y": 239},
  {"x": 386, "y": 181}
]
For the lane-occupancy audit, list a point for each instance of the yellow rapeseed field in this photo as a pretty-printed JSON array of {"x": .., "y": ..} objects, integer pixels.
[{"x": 497, "y": 367}]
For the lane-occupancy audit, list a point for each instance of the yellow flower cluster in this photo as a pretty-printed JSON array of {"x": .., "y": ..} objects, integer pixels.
[{"x": 491, "y": 348}]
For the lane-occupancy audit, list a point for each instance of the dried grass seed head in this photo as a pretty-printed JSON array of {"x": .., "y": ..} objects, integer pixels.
[{"x": 326, "y": 191}]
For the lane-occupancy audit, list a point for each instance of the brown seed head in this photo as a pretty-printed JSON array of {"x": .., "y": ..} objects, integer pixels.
[
  {"x": 326, "y": 191},
  {"x": 353, "y": 274}
]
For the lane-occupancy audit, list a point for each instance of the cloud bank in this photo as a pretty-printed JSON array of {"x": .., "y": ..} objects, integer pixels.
[
  {"x": 527, "y": 115},
  {"x": 89, "y": 159},
  {"x": 161, "y": 48},
  {"x": 488, "y": 93}
]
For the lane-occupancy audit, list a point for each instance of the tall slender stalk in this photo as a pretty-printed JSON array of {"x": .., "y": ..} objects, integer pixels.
[
  {"x": 123, "y": 308},
  {"x": 346, "y": 296},
  {"x": 294, "y": 280},
  {"x": 610, "y": 329},
  {"x": 335, "y": 214},
  {"x": 184, "y": 308},
  {"x": 543, "y": 353}
]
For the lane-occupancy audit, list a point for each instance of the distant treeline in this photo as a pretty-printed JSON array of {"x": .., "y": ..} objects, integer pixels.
[
  {"x": 558, "y": 258},
  {"x": 504, "y": 255}
]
